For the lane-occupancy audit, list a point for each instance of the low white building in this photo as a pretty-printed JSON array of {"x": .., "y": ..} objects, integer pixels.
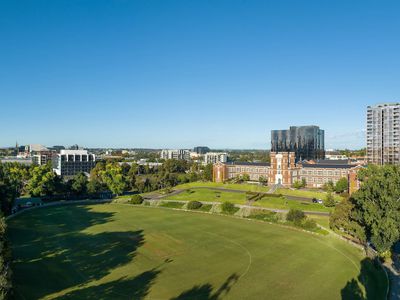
[
  {"x": 180, "y": 154},
  {"x": 215, "y": 157}
]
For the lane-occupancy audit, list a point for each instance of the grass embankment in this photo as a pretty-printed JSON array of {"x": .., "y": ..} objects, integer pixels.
[
  {"x": 283, "y": 203},
  {"x": 208, "y": 195},
  {"x": 233, "y": 186},
  {"x": 113, "y": 251},
  {"x": 306, "y": 194}
]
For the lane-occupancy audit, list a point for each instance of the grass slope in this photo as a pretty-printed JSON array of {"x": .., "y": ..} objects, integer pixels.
[
  {"x": 234, "y": 186},
  {"x": 115, "y": 251},
  {"x": 207, "y": 195},
  {"x": 306, "y": 194}
]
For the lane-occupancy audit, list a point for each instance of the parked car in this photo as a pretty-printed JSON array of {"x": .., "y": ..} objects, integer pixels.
[{"x": 315, "y": 200}]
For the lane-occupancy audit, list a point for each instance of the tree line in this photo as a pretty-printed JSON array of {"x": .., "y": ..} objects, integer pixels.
[
  {"x": 41, "y": 181},
  {"x": 372, "y": 214}
]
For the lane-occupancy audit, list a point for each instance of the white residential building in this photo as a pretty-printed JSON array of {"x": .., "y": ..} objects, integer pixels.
[
  {"x": 214, "y": 157},
  {"x": 175, "y": 154},
  {"x": 383, "y": 133}
]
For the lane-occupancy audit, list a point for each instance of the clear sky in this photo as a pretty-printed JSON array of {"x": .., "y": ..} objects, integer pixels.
[{"x": 149, "y": 73}]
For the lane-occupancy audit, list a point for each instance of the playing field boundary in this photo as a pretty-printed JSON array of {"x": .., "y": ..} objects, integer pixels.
[{"x": 109, "y": 201}]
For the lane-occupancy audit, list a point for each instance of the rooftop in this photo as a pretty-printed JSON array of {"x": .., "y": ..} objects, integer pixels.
[{"x": 240, "y": 163}]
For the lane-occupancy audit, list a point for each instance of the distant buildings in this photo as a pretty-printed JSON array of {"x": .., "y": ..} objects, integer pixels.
[
  {"x": 383, "y": 133},
  {"x": 284, "y": 171},
  {"x": 307, "y": 142},
  {"x": 214, "y": 157},
  {"x": 179, "y": 154},
  {"x": 231, "y": 170},
  {"x": 296, "y": 154},
  {"x": 335, "y": 155},
  {"x": 70, "y": 162},
  {"x": 201, "y": 149}
]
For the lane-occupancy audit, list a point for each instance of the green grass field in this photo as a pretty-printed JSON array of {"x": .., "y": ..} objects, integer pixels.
[
  {"x": 233, "y": 186},
  {"x": 306, "y": 194},
  {"x": 207, "y": 195},
  {"x": 282, "y": 203},
  {"x": 115, "y": 251}
]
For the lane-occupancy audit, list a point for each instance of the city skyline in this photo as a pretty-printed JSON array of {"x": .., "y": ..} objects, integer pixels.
[{"x": 130, "y": 74}]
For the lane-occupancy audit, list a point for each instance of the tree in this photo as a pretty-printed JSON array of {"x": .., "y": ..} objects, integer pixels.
[
  {"x": 303, "y": 182},
  {"x": 297, "y": 184},
  {"x": 296, "y": 216},
  {"x": 341, "y": 185},
  {"x": 136, "y": 199},
  {"x": 112, "y": 176},
  {"x": 341, "y": 220},
  {"x": 43, "y": 181},
  {"x": 245, "y": 177},
  {"x": 377, "y": 206},
  {"x": 208, "y": 172},
  {"x": 5, "y": 259},
  {"x": 328, "y": 186},
  {"x": 79, "y": 183},
  {"x": 94, "y": 186},
  {"x": 329, "y": 200},
  {"x": 262, "y": 180},
  {"x": 131, "y": 177}
]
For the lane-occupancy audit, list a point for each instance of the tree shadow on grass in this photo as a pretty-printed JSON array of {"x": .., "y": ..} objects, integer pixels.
[
  {"x": 55, "y": 260},
  {"x": 135, "y": 288},
  {"x": 204, "y": 292},
  {"x": 371, "y": 279}
]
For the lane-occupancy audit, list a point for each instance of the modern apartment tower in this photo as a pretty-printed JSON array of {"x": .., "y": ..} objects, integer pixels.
[
  {"x": 383, "y": 133},
  {"x": 307, "y": 142}
]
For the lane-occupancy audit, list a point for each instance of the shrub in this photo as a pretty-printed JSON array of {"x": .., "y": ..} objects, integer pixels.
[
  {"x": 296, "y": 216},
  {"x": 329, "y": 201},
  {"x": 171, "y": 204},
  {"x": 229, "y": 208},
  {"x": 136, "y": 199},
  {"x": 205, "y": 207},
  {"x": 309, "y": 224},
  {"x": 268, "y": 216},
  {"x": 194, "y": 205}
]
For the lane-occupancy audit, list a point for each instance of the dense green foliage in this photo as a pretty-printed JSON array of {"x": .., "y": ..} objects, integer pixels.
[
  {"x": 42, "y": 181},
  {"x": 300, "y": 184},
  {"x": 136, "y": 199},
  {"x": 341, "y": 185},
  {"x": 5, "y": 261},
  {"x": 228, "y": 208},
  {"x": 373, "y": 212},
  {"x": 296, "y": 216},
  {"x": 194, "y": 205},
  {"x": 172, "y": 204},
  {"x": 377, "y": 205},
  {"x": 13, "y": 177},
  {"x": 329, "y": 201},
  {"x": 79, "y": 184}
]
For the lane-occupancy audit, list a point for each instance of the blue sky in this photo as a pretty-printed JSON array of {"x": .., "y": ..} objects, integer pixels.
[{"x": 185, "y": 73}]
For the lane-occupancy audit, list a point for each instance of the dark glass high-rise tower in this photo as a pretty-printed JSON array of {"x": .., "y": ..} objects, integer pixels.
[{"x": 307, "y": 142}]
